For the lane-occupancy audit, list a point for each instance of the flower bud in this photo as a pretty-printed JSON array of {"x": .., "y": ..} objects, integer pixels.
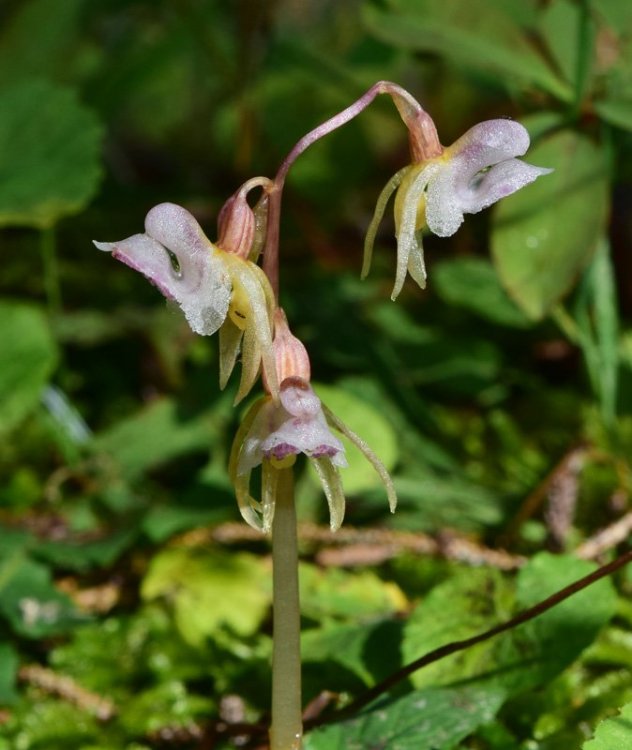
[
  {"x": 236, "y": 225},
  {"x": 290, "y": 355}
]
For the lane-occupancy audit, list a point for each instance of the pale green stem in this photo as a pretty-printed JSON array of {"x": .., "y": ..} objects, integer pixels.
[{"x": 287, "y": 725}]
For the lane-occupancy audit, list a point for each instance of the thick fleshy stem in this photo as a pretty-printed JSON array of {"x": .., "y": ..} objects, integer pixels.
[
  {"x": 424, "y": 145},
  {"x": 286, "y": 730}
]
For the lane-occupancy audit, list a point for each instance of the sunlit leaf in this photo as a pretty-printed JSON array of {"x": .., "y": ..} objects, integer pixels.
[
  {"x": 209, "y": 590},
  {"x": 614, "y": 733},
  {"x": 50, "y": 147},
  {"x": 432, "y": 719},
  {"x": 544, "y": 235}
]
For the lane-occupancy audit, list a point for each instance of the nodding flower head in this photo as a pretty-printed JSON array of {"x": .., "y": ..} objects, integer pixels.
[
  {"x": 214, "y": 284},
  {"x": 477, "y": 170},
  {"x": 273, "y": 434}
]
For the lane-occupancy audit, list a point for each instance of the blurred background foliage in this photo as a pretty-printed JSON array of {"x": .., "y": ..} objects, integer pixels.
[{"x": 134, "y": 613}]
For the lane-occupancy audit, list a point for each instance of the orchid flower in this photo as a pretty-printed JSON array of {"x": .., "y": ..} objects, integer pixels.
[
  {"x": 273, "y": 434},
  {"x": 437, "y": 190},
  {"x": 216, "y": 285}
]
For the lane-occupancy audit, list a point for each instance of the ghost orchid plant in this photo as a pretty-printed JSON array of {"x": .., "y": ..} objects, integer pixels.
[{"x": 221, "y": 287}]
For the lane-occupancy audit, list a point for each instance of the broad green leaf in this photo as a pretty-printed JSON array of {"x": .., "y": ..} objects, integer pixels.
[
  {"x": 156, "y": 434},
  {"x": 545, "y": 234},
  {"x": 49, "y": 154},
  {"x": 338, "y": 594},
  {"x": 432, "y": 719},
  {"x": 614, "y": 733},
  {"x": 367, "y": 422},
  {"x": 370, "y": 650},
  {"x": 165, "y": 705},
  {"x": 473, "y": 283},
  {"x": 475, "y": 35},
  {"x": 209, "y": 590},
  {"x": 29, "y": 600},
  {"x": 8, "y": 673},
  {"x": 28, "y": 357},
  {"x": 526, "y": 656}
]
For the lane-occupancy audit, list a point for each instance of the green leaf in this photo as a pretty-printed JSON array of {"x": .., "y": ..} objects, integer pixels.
[
  {"x": 29, "y": 600},
  {"x": 335, "y": 593},
  {"x": 475, "y": 35},
  {"x": 39, "y": 38},
  {"x": 210, "y": 590},
  {"x": 8, "y": 672},
  {"x": 472, "y": 283},
  {"x": 527, "y": 656},
  {"x": 433, "y": 719},
  {"x": 616, "y": 111},
  {"x": 597, "y": 318},
  {"x": 28, "y": 356},
  {"x": 564, "y": 48},
  {"x": 155, "y": 435},
  {"x": 614, "y": 733},
  {"x": 50, "y": 146},
  {"x": 544, "y": 235},
  {"x": 371, "y": 426}
]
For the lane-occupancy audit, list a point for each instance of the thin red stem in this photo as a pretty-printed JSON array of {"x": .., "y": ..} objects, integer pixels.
[{"x": 413, "y": 115}]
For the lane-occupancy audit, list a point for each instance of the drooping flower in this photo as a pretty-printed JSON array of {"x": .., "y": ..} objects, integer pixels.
[
  {"x": 273, "y": 434},
  {"x": 216, "y": 285},
  {"x": 435, "y": 192}
]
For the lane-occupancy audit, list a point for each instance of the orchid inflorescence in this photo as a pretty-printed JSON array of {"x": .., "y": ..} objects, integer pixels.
[{"x": 221, "y": 287}]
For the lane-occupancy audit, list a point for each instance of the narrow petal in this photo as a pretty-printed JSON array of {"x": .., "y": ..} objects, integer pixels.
[
  {"x": 334, "y": 492},
  {"x": 407, "y": 223},
  {"x": 249, "y": 508},
  {"x": 260, "y": 319},
  {"x": 378, "y": 215},
  {"x": 229, "y": 344},
  {"x": 239, "y": 462},
  {"x": 269, "y": 482},
  {"x": 416, "y": 264},
  {"x": 250, "y": 361},
  {"x": 367, "y": 453}
]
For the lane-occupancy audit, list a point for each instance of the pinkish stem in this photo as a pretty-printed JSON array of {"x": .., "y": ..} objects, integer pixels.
[{"x": 424, "y": 144}]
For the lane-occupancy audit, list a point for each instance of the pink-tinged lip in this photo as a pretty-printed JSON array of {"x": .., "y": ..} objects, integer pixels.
[{"x": 119, "y": 255}]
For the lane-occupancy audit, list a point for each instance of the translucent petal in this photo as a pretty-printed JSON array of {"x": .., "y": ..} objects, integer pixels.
[
  {"x": 236, "y": 464},
  {"x": 249, "y": 508},
  {"x": 368, "y": 454},
  {"x": 250, "y": 361},
  {"x": 269, "y": 482},
  {"x": 378, "y": 215},
  {"x": 229, "y": 344},
  {"x": 332, "y": 486},
  {"x": 416, "y": 264},
  {"x": 407, "y": 222},
  {"x": 250, "y": 277}
]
